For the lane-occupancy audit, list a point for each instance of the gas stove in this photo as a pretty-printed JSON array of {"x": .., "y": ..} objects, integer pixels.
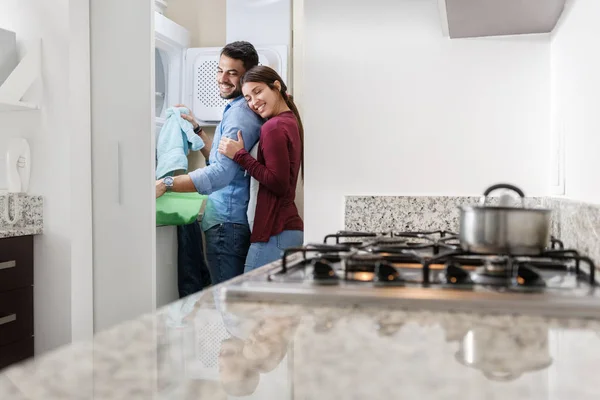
[{"x": 426, "y": 270}]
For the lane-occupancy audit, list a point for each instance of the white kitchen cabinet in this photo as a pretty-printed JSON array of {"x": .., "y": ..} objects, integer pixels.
[{"x": 124, "y": 231}]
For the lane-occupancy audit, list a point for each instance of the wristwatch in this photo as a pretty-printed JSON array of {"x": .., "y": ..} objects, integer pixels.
[
  {"x": 168, "y": 181},
  {"x": 197, "y": 130}
]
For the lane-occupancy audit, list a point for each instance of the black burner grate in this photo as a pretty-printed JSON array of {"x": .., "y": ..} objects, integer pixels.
[{"x": 375, "y": 253}]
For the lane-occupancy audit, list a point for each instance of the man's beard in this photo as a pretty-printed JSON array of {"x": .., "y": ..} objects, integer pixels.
[{"x": 233, "y": 95}]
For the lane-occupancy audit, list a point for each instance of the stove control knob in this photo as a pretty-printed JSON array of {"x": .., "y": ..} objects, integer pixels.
[
  {"x": 528, "y": 276},
  {"x": 387, "y": 273},
  {"x": 323, "y": 271},
  {"x": 456, "y": 275}
]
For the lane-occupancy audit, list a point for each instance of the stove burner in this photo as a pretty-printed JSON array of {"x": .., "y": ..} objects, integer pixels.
[
  {"x": 323, "y": 272},
  {"x": 387, "y": 273},
  {"x": 498, "y": 275},
  {"x": 455, "y": 275},
  {"x": 495, "y": 266}
]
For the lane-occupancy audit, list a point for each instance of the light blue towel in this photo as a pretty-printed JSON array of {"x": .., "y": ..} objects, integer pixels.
[{"x": 173, "y": 143}]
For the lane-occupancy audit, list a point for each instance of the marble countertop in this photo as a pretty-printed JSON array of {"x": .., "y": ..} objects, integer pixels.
[{"x": 203, "y": 348}]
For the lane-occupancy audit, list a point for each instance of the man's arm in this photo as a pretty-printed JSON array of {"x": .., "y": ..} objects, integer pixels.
[
  {"x": 181, "y": 183},
  {"x": 207, "y": 144},
  {"x": 222, "y": 170}
]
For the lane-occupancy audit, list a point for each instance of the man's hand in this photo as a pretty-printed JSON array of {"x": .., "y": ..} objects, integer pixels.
[
  {"x": 161, "y": 188},
  {"x": 229, "y": 147},
  {"x": 188, "y": 117}
]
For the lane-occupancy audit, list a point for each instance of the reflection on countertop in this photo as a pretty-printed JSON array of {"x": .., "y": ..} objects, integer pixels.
[{"x": 201, "y": 348}]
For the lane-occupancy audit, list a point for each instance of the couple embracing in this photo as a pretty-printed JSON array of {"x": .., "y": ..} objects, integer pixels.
[{"x": 252, "y": 168}]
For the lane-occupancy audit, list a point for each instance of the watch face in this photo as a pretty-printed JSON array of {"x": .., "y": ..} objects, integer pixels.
[{"x": 168, "y": 181}]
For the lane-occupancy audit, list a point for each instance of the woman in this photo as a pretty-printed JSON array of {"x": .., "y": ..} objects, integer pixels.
[{"x": 276, "y": 224}]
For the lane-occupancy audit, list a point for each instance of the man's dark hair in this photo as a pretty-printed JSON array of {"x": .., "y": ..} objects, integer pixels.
[{"x": 243, "y": 51}]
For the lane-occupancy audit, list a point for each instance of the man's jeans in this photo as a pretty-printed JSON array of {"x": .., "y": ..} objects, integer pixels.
[
  {"x": 226, "y": 249},
  {"x": 192, "y": 272}
]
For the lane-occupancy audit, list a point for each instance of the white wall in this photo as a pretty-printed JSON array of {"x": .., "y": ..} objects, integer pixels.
[
  {"x": 50, "y": 132},
  {"x": 393, "y": 108},
  {"x": 205, "y": 19},
  {"x": 576, "y": 96},
  {"x": 297, "y": 74}
]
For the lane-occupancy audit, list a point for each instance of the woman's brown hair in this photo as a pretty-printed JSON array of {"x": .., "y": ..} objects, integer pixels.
[{"x": 268, "y": 76}]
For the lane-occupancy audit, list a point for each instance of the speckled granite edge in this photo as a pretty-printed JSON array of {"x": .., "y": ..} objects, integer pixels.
[
  {"x": 29, "y": 211},
  {"x": 402, "y": 213},
  {"x": 576, "y": 223}
]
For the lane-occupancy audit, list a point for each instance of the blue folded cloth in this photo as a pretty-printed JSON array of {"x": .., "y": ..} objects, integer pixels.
[{"x": 173, "y": 143}]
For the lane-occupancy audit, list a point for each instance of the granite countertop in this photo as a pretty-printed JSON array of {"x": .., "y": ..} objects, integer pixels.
[
  {"x": 203, "y": 348},
  {"x": 25, "y": 210}
]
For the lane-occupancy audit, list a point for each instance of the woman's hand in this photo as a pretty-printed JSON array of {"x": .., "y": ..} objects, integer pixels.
[
  {"x": 229, "y": 147},
  {"x": 161, "y": 188}
]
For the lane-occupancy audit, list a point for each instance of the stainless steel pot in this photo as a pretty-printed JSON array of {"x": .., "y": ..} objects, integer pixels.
[{"x": 505, "y": 230}]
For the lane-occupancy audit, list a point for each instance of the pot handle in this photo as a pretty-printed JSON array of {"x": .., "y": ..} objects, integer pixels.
[{"x": 502, "y": 186}]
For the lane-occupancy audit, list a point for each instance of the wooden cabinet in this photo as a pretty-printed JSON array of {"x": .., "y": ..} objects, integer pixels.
[{"x": 16, "y": 299}]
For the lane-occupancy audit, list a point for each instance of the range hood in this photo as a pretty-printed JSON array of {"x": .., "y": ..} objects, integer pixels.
[{"x": 477, "y": 18}]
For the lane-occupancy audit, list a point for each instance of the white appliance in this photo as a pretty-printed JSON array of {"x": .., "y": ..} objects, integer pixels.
[
  {"x": 18, "y": 165},
  {"x": 188, "y": 75}
]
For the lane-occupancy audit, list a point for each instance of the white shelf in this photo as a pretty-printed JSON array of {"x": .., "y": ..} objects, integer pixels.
[
  {"x": 17, "y": 106},
  {"x": 20, "y": 80}
]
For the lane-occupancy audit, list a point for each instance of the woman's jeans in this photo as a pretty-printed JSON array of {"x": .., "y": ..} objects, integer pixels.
[{"x": 262, "y": 253}]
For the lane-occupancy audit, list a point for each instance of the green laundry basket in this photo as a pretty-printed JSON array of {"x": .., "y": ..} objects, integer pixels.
[{"x": 178, "y": 208}]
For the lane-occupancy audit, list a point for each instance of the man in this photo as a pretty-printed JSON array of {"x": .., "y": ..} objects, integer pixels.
[{"x": 224, "y": 222}]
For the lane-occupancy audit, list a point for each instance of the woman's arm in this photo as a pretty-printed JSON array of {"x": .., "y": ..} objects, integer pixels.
[{"x": 275, "y": 173}]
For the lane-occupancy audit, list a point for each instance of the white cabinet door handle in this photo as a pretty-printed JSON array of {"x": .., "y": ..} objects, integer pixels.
[
  {"x": 7, "y": 319},
  {"x": 8, "y": 264},
  {"x": 118, "y": 164}
]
